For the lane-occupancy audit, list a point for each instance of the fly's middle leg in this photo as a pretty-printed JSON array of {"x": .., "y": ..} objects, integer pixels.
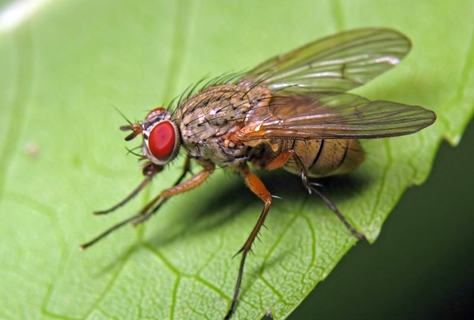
[
  {"x": 179, "y": 187},
  {"x": 258, "y": 188}
]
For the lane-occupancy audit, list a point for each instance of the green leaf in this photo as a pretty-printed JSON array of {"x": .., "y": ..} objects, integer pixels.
[{"x": 62, "y": 156}]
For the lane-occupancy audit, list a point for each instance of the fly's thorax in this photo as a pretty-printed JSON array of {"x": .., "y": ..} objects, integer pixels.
[{"x": 207, "y": 118}]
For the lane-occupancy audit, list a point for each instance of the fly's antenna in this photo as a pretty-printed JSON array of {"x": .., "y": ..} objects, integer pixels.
[
  {"x": 123, "y": 116},
  {"x": 135, "y": 127}
]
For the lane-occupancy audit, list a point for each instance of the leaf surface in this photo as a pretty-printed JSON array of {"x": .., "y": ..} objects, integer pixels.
[{"x": 66, "y": 67}]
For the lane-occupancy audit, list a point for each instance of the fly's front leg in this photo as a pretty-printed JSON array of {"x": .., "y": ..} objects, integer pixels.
[
  {"x": 193, "y": 182},
  {"x": 152, "y": 207},
  {"x": 149, "y": 171},
  {"x": 145, "y": 210},
  {"x": 258, "y": 188},
  {"x": 281, "y": 160}
]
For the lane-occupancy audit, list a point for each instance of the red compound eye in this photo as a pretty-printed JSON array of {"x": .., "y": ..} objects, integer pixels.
[
  {"x": 155, "y": 112},
  {"x": 162, "y": 140}
]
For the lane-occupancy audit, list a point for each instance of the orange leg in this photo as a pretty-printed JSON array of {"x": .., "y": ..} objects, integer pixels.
[
  {"x": 281, "y": 159},
  {"x": 152, "y": 207},
  {"x": 258, "y": 188},
  {"x": 193, "y": 182}
]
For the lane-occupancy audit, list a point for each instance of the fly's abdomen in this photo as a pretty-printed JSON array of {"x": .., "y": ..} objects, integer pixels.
[{"x": 326, "y": 157}]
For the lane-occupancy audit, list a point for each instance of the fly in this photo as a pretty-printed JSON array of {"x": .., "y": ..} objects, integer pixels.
[{"x": 291, "y": 112}]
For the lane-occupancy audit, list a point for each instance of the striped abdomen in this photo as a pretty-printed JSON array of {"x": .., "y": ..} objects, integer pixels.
[{"x": 325, "y": 157}]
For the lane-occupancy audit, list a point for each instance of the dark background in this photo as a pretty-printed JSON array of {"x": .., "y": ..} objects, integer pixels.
[{"x": 421, "y": 266}]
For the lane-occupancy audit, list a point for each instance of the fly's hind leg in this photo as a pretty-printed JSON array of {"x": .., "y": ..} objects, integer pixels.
[
  {"x": 312, "y": 187},
  {"x": 281, "y": 160}
]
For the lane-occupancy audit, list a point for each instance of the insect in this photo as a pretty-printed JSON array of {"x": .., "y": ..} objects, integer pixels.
[{"x": 291, "y": 112}]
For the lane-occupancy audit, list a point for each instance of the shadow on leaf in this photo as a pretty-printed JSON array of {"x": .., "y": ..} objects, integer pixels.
[{"x": 231, "y": 199}]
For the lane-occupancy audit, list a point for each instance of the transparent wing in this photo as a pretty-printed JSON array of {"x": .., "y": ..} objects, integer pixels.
[
  {"x": 332, "y": 116},
  {"x": 336, "y": 63}
]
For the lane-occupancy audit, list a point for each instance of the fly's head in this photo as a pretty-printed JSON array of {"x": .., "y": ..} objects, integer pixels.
[{"x": 161, "y": 138}]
